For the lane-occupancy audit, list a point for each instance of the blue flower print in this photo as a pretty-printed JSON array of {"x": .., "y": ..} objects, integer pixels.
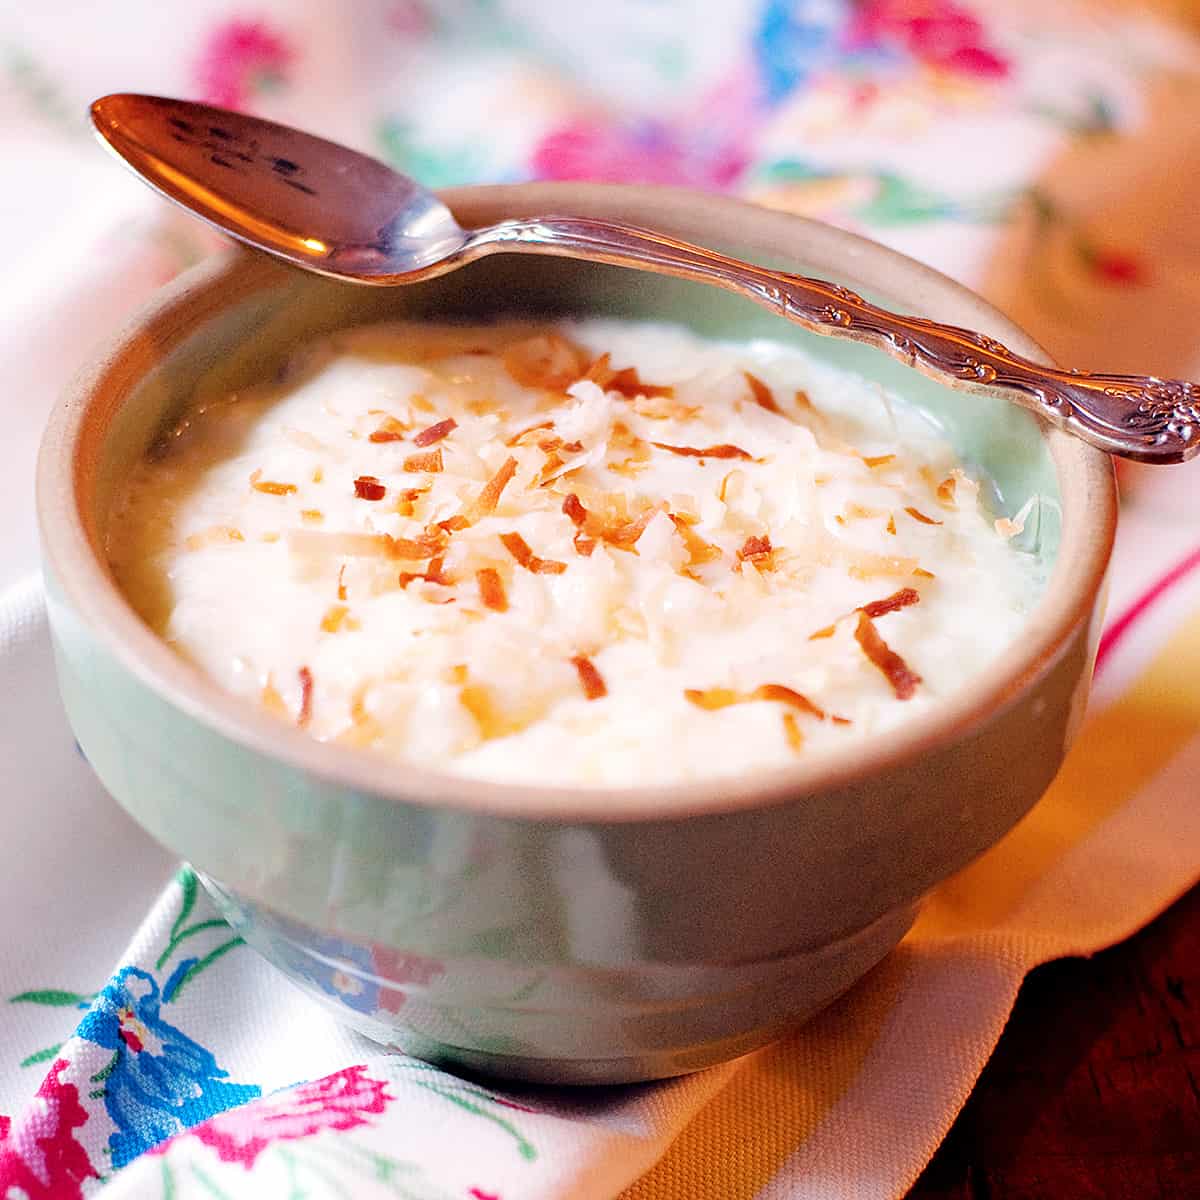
[
  {"x": 794, "y": 38},
  {"x": 336, "y": 966},
  {"x": 160, "y": 1081}
]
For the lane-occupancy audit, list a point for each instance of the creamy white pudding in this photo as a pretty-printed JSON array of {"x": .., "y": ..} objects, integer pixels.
[{"x": 598, "y": 552}]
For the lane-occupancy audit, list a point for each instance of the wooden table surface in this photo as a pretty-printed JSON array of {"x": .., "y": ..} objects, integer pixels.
[{"x": 1094, "y": 1089}]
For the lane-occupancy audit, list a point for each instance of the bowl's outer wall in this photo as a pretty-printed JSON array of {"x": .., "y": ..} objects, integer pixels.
[{"x": 629, "y": 949}]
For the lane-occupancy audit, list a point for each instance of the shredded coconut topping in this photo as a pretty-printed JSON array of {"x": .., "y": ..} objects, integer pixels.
[{"x": 590, "y": 553}]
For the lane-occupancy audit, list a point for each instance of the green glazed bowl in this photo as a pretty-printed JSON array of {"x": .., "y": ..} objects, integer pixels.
[{"x": 550, "y": 933}]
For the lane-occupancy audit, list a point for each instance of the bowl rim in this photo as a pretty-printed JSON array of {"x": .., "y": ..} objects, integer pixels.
[{"x": 77, "y": 426}]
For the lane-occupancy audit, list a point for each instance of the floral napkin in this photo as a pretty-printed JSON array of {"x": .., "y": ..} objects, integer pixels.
[{"x": 1044, "y": 154}]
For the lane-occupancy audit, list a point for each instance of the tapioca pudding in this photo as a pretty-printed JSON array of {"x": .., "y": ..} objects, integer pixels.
[{"x": 592, "y": 552}]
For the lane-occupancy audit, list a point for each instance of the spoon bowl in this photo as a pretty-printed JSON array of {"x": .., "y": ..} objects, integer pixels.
[{"x": 326, "y": 208}]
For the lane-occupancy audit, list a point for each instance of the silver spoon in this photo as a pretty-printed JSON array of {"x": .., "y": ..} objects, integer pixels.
[{"x": 329, "y": 209}]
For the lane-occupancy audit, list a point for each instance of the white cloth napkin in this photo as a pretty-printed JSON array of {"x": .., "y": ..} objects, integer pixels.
[
  {"x": 852, "y": 1106},
  {"x": 986, "y": 141}
]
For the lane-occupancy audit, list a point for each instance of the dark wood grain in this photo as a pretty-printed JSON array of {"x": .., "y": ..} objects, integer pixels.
[{"x": 1094, "y": 1089}]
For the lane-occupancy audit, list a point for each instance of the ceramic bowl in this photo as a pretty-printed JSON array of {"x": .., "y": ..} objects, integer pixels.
[{"x": 550, "y": 933}]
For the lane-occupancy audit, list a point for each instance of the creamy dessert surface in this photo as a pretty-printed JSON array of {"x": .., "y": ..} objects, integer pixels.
[{"x": 595, "y": 552}]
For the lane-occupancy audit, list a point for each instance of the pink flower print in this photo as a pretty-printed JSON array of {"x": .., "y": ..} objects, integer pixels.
[
  {"x": 479, "y": 1194},
  {"x": 241, "y": 58},
  {"x": 39, "y": 1156},
  {"x": 340, "y": 1101},
  {"x": 939, "y": 33},
  {"x": 1115, "y": 266},
  {"x": 410, "y": 18},
  {"x": 648, "y": 152},
  {"x": 396, "y": 967}
]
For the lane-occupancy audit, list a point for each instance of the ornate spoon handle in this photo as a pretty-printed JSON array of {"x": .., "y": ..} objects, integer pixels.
[{"x": 1136, "y": 416}]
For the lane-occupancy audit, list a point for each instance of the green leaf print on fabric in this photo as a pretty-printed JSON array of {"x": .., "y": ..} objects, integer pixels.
[
  {"x": 41, "y": 1056},
  {"x": 32, "y": 80},
  {"x": 892, "y": 199},
  {"x": 54, "y": 997}
]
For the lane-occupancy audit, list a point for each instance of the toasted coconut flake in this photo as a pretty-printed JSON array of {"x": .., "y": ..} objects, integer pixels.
[
  {"x": 271, "y": 700},
  {"x": 945, "y": 490},
  {"x": 491, "y": 589},
  {"x": 1007, "y": 528},
  {"x": 625, "y": 382},
  {"x": 664, "y": 408},
  {"x": 337, "y": 618},
  {"x": 599, "y": 371},
  {"x": 758, "y": 551},
  {"x": 803, "y": 400},
  {"x": 574, "y": 509},
  {"x": 367, "y": 487},
  {"x": 903, "y": 679},
  {"x": 546, "y": 360},
  {"x": 713, "y": 698},
  {"x": 454, "y": 524},
  {"x": 341, "y": 583},
  {"x": 518, "y": 439},
  {"x": 897, "y": 600},
  {"x": 432, "y": 574},
  {"x": 306, "y": 697},
  {"x": 865, "y": 564},
  {"x": 594, "y": 687},
  {"x": 789, "y": 696},
  {"x": 427, "y": 545},
  {"x": 390, "y": 430},
  {"x": 318, "y": 474},
  {"x": 549, "y": 472},
  {"x": 430, "y": 462},
  {"x": 874, "y": 608},
  {"x": 724, "y": 450},
  {"x": 366, "y": 545},
  {"x": 762, "y": 395},
  {"x": 875, "y": 461},
  {"x": 699, "y": 551},
  {"x": 340, "y": 542},
  {"x": 270, "y": 486},
  {"x": 436, "y": 432},
  {"x": 584, "y": 545},
  {"x": 918, "y": 515},
  {"x": 755, "y": 547},
  {"x": 485, "y": 503},
  {"x": 516, "y": 545},
  {"x": 214, "y": 535},
  {"x": 923, "y": 574},
  {"x": 862, "y": 511},
  {"x": 312, "y": 516},
  {"x": 791, "y": 731},
  {"x": 719, "y": 697},
  {"x": 625, "y": 534},
  {"x": 623, "y": 438},
  {"x": 891, "y": 525},
  {"x": 493, "y": 718},
  {"x": 632, "y": 466}
]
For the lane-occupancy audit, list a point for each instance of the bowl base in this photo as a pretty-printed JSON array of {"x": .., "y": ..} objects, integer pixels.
[{"x": 560, "y": 1023}]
